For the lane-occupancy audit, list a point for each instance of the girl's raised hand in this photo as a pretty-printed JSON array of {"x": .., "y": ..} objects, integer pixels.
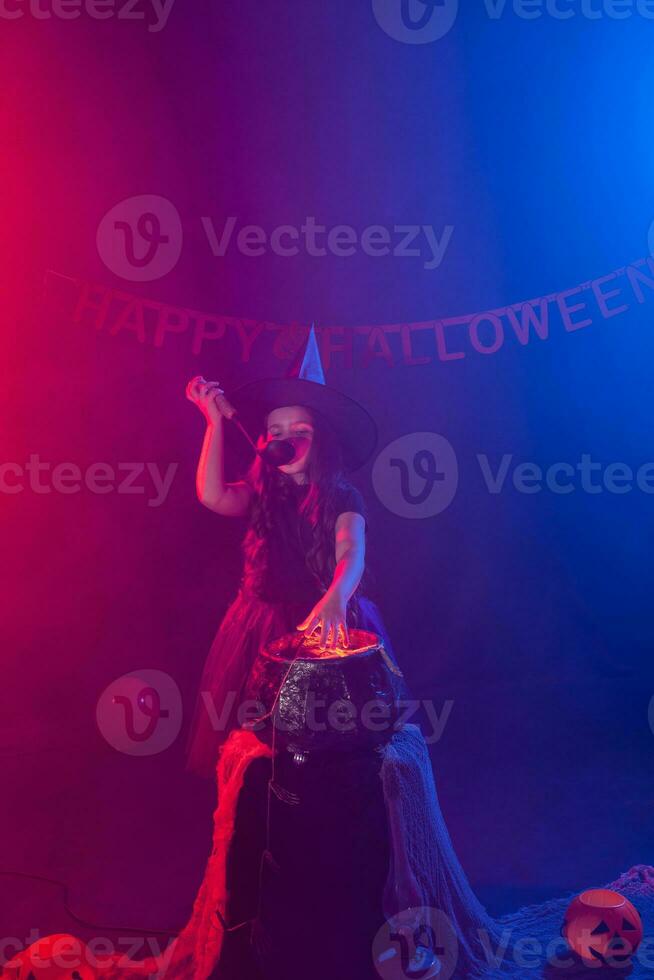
[
  {"x": 210, "y": 399},
  {"x": 328, "y": 614}
]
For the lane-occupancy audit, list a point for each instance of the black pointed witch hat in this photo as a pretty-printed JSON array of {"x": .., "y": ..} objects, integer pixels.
[{"x": 305, "y": 385}]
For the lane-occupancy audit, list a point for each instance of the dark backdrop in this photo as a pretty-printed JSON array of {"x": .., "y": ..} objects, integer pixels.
[{"x": 529, "y": 611}]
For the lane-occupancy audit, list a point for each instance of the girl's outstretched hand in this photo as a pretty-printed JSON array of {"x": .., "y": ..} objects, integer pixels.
[{"x": 329, "y": 613}]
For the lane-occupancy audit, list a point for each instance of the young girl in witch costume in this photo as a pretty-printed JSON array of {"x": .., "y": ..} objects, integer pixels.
[
  {"x": 304, "y": 549},
  {"x": 304, "y": 567}
]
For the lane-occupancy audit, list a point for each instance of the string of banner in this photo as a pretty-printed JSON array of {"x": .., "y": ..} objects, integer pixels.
[{"x": 113, "y": 311}]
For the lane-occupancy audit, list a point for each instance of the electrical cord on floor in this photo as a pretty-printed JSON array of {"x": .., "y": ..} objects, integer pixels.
[{"x": 89, "y": 925}]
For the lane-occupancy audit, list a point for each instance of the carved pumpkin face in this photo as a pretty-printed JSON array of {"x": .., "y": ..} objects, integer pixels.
[
  {"x": 58, "y": 957},
  {"x": 603, "y": 928}
]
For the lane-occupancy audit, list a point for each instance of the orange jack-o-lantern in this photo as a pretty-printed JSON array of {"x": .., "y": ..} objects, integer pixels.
[
  {"x": 59, "y": 957},
  {"x": 603, "y": 928}
]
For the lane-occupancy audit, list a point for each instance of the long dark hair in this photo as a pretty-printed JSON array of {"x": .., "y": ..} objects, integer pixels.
[{"x": 274, "y": 490}]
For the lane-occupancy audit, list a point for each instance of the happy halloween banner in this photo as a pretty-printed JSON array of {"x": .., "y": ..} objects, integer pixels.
[{"x": 112, "y": 311}]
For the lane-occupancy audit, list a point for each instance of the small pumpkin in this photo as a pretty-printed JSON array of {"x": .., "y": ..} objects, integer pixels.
[{"x": 603, "y": 928}]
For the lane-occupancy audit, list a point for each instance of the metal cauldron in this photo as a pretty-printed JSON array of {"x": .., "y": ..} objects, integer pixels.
[{"x": 308, "y": 699}]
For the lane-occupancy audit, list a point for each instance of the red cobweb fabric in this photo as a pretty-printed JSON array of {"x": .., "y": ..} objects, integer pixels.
[
  {"x": 424, "y": 874},
  {"x": 195, "y": 952}
]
